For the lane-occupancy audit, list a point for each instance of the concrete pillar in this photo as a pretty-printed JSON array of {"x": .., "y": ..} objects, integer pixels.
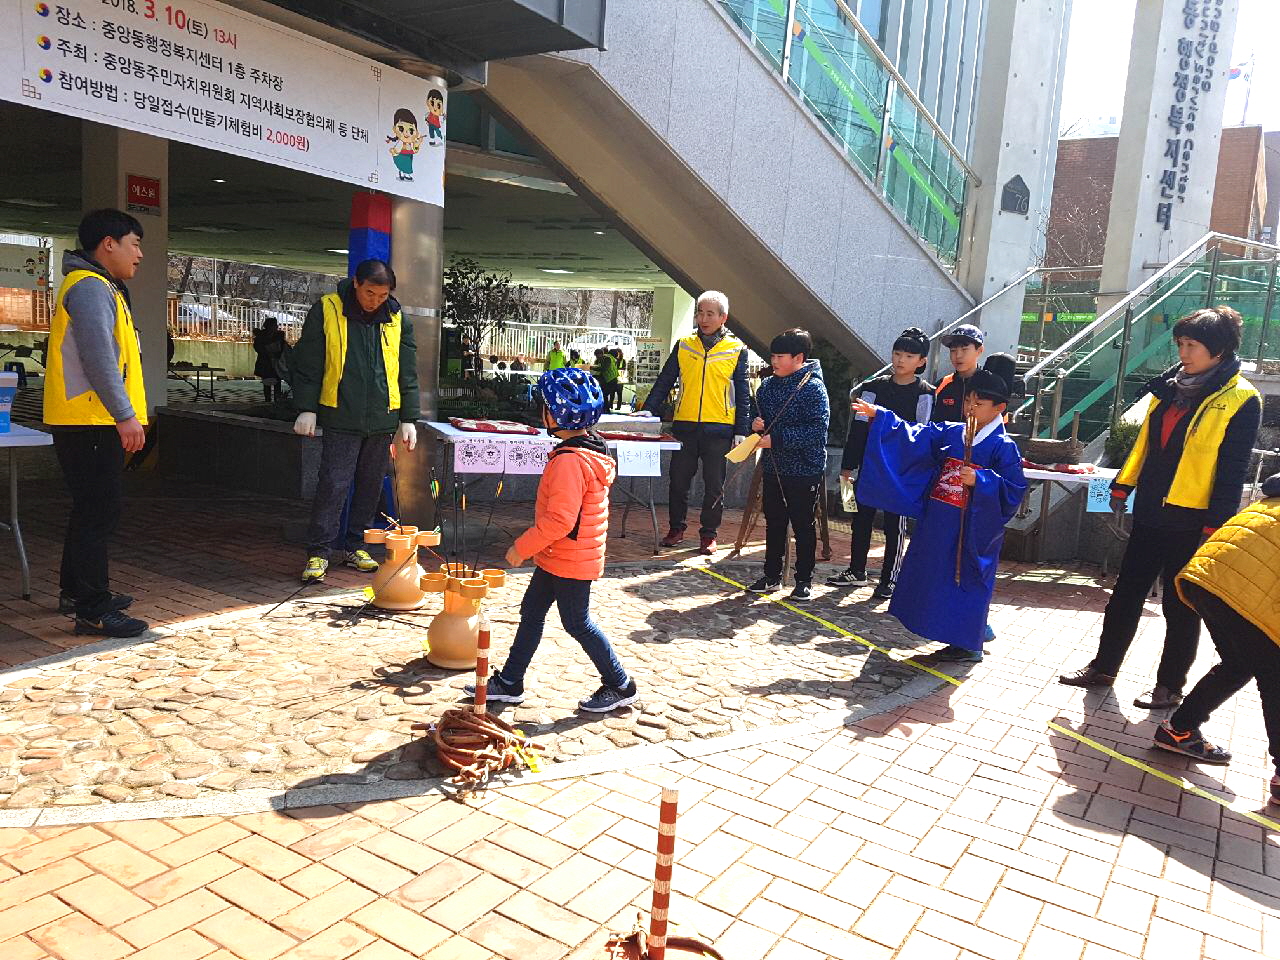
[
  {"x": 109, "y": 156},
  {"x": 417, "y": 257},
  {"x": 1019, "y": 100},
  {"x": 1138, "y": 230},
  {"x": 673, "y": 315}
]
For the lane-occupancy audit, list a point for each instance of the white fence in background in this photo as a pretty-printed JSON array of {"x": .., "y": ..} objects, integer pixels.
[
  {"x": 534, "y": 340},
  {"x": 203, "y": 318},
  {"x": 229, "y": 319}
]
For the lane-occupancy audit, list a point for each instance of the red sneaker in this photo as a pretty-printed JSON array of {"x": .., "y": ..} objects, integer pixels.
[
  {"x": 707, "y": 545},
  {"x": 674, "y": 537}
]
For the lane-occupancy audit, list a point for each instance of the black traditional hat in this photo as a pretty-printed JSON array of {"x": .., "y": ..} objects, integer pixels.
[{"x": 997, "y": 380}]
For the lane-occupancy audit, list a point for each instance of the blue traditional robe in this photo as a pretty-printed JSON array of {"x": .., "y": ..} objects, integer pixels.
[{"x": 900, "y": 474}]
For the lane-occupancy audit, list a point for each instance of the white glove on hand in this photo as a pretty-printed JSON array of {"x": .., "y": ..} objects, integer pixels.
[
  {"x": 408, "y": 435},
  {"x": 305, "y": 425},
  {"x": 739, "y": 439}
]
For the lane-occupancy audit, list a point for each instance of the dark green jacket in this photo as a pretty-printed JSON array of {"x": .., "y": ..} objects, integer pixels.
[{"x": 362, "y": 394}]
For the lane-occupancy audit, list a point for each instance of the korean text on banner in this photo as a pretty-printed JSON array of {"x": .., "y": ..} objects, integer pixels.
[
  {"x": 638, "y": 458},
  {"x": 218, "y": 77}
]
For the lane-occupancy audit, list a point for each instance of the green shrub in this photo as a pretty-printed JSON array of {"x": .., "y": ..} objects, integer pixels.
[{"x": 1121, "y": 440}]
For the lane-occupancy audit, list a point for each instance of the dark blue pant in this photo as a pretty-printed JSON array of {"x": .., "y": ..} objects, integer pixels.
[
  {"x": 1247, "y": 654},
  {"x": 573, "y": 598},
  {"x": 92, "y": 462},
  {"x": 346, "y": 458}
]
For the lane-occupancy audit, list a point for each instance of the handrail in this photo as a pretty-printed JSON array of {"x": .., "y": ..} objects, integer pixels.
[
  {"x": 1209, "y": 239},
  {"x": 905, "y": 87},
  {"x": 936, "y": 337}
]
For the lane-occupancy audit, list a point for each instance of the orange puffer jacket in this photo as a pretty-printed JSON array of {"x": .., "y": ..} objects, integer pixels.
[{"x": 573, "y": 492}]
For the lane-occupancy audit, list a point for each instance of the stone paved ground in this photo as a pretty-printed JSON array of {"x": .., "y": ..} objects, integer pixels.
[
  {"x": 957, "y": 826},
  {"x": 317, "y": 692}
]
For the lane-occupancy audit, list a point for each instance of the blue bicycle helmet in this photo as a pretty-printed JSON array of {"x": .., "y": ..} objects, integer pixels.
[{"x": 573, "y": 397}]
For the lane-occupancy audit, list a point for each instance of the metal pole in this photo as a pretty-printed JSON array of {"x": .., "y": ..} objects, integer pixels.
[
  {"x": 1117, "y": 398},
  {"x": 1035, "y": 406},
  {"x": 1044, "y": 310},
  {"x": 1213, "y": 276},
  {"x": 788, "y": 37},
  {"x": 1057, "y": 406},
  {"x": 882, "y": 157},
  {"x": 1266, "y": 312}
]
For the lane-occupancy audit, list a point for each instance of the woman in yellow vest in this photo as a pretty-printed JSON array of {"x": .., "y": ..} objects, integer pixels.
[
  {"x": 96, "y": 407},
  {"x": 1188, "y": 468},
  {"x": 1233, "y": 582},
  {"x": 354, "y": 372}
]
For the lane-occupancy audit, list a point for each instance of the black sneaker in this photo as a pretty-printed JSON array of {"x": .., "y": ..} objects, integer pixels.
[
  {"x": 764, "y": 585},
  {"x": 849, "y": 578},
  {"x": 1275, "y": 791},
  {"x": 883, "y": 592},
  {"x": 118, "y": 601},
  {"x": 113, "y": 623},
  {"x": 498, "y": 690},
  {"x": 803, "y": 591},
  {"x": 1190, "y": 744},
  {"x": 609, "y": 698}
]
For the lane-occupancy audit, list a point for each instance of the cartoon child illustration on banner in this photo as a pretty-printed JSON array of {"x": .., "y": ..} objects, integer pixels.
[
  {"x": 405, "y": 141},
  {"x": 435, "y": 117}
]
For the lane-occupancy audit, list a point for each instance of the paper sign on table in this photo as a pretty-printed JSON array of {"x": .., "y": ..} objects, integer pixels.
[
  {"x": 479, "y": 455},
  {"x": 1100, "y": 497},
  {"x": 638, "y": 458},
  {"x": 528, "y": 456}
]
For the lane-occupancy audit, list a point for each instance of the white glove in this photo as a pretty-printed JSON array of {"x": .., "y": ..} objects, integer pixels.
[
  {"x": 305, "y": 425},
  {"x": 408, "y": 435},
  {"x": 739, "y": 439}
]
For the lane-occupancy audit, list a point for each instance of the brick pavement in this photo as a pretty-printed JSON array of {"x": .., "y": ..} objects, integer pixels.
[
  {"x": 953, "y": 827},
  {"x": 187, "y": 551},
  {"x": 959, "y": 825}
]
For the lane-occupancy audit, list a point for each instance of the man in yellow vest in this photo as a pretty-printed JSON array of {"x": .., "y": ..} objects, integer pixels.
[
  {"x": 96, "y": 406},
  {"x": 712, "y": 411},
  {"x": 355, "y": 375},
  {"x": 555, "y": 358}
]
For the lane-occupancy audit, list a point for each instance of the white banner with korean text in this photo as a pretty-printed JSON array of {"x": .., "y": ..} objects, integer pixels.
[{"x": 204, "y": 73}]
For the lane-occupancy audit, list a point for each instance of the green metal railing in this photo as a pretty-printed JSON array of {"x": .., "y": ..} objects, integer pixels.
[
  {"x": 1100, "y": 371},
  {"x": 826, "y": 56}
]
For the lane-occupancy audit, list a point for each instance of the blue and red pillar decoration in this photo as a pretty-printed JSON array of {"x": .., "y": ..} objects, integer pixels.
[{"x": 370, "y": 236}]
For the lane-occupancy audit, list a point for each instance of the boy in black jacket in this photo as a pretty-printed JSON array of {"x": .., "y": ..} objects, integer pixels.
[{"x": 911, "y": 398}]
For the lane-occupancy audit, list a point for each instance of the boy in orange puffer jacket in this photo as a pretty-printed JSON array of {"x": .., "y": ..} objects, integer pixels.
[{"x": 567, "y": 543}]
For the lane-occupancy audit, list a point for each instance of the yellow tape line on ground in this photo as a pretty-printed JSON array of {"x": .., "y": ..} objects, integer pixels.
[
  {"x": 1065, "y": 731},
  {"x": 831, "y": 626},
  {"x": 1166, "y": 777}
]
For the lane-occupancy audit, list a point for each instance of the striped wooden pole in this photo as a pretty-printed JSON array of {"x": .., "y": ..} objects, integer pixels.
[
  {"x": 482, "y": 664},
  {"x": 662, "y": 875}
]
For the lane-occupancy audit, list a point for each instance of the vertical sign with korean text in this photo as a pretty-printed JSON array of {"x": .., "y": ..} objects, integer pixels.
[
  {"x": 1193, "y": 77},
  {"x": 208, "y": 74}
]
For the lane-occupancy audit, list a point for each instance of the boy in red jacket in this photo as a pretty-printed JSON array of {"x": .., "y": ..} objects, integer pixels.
[{"x": 567, "y": 543}]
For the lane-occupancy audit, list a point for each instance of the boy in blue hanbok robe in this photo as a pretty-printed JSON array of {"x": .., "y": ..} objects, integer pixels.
[{"x": 919, "y": 470}]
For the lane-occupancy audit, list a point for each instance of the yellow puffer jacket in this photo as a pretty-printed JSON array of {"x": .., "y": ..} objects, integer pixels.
[{"x": 1240, "y": 564}]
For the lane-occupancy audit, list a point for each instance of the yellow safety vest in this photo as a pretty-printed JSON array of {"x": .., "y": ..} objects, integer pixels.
[
  {"x": 706, "y": 380},
  {"x": 1193, "y": 480},
  {"x": 85, "y": 408},
  {"x": 335, "y": 352}
]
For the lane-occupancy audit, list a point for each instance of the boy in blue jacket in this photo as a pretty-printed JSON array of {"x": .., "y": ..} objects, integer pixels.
[{"x": 793, "y": 415}]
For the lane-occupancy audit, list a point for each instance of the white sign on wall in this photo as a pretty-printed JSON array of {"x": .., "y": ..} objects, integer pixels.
[
  {"x": 204, "y": 73},
  {"x": 23, "y": 267}
]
